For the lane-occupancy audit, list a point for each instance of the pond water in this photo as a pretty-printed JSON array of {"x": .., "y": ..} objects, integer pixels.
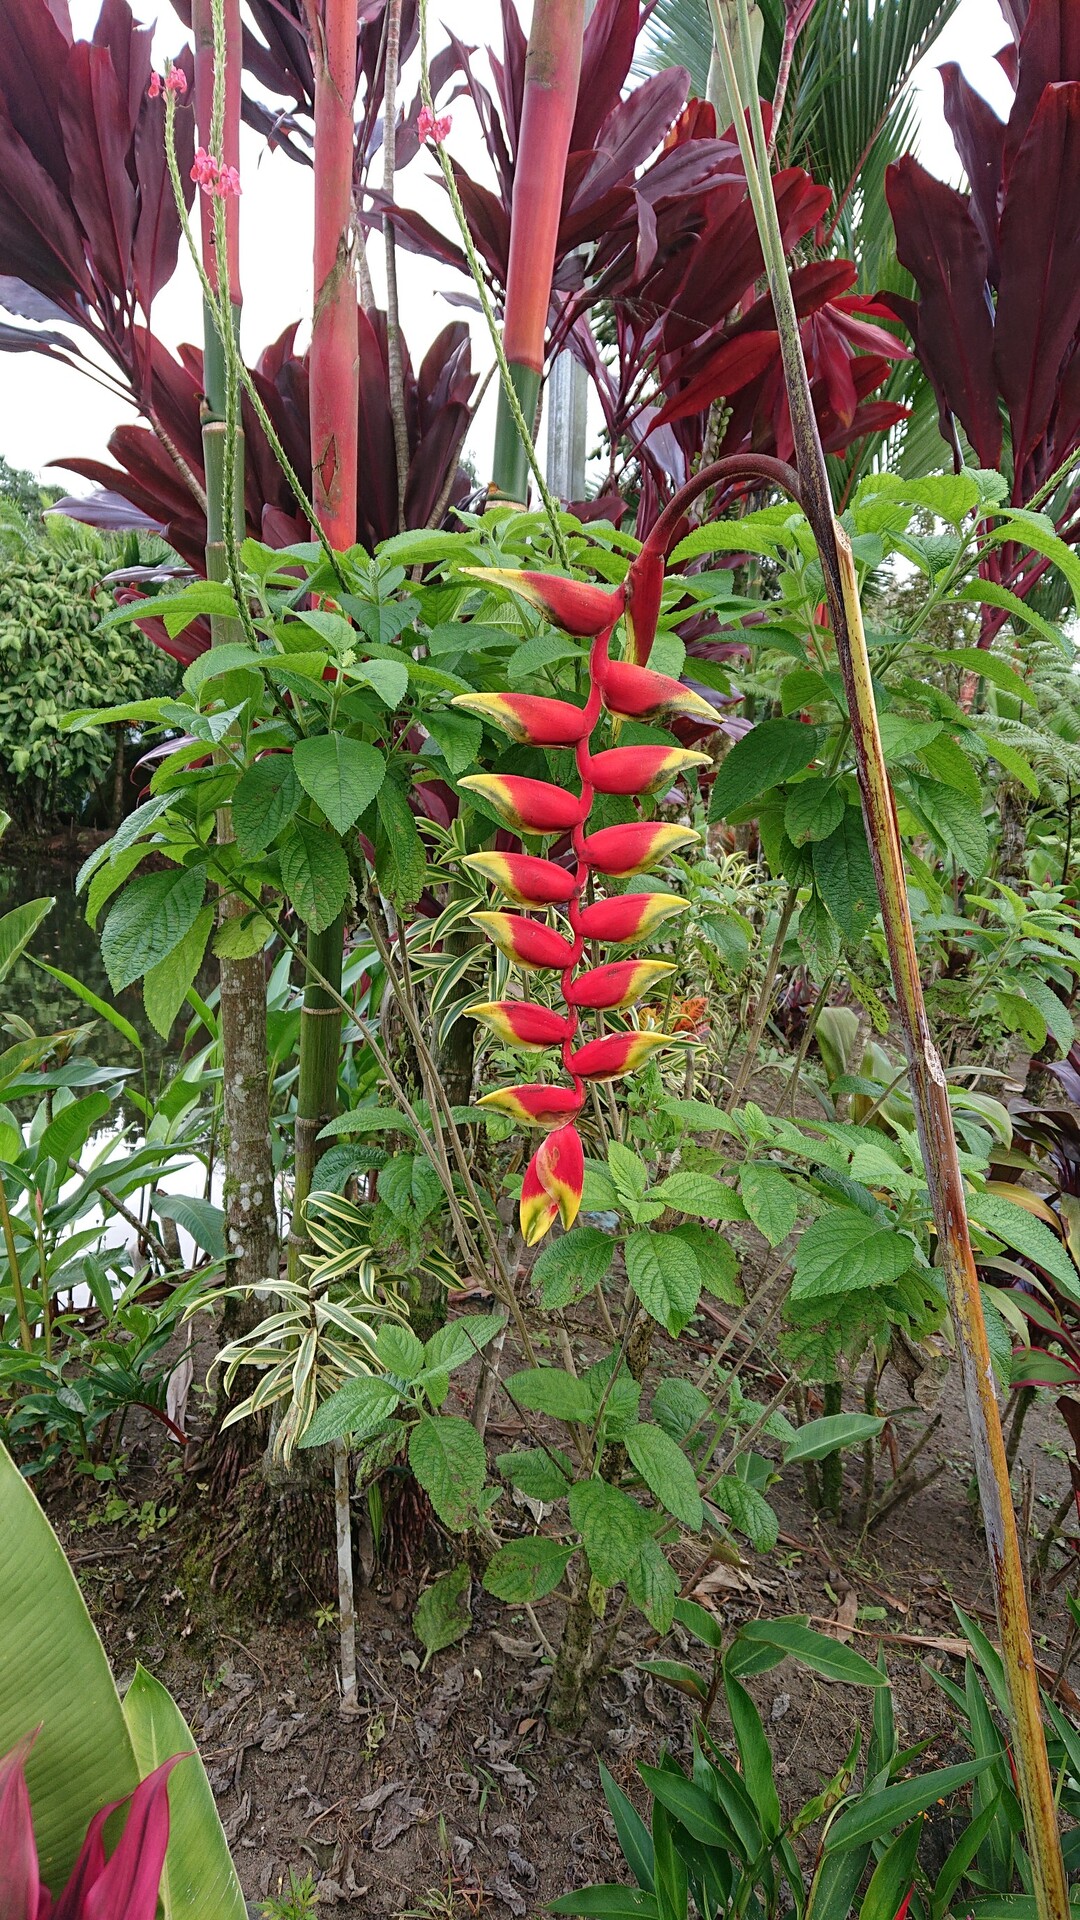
[{"x": 64, "y": 940}]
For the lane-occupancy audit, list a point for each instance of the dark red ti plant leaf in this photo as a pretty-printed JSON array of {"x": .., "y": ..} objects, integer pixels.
[
  {"x": 997, "y": 325},
  {"x": 437, "y": 403},
  {"x": 122, "y": 1887},
  {"x": 87, "y": 216}
]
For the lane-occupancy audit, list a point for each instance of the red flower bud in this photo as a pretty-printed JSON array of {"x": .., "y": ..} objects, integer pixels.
[
  {"x": 527, "y": 942},
  {"x": 620, "y": 851},
  {"x": 523, "y": 878},
  {"x": 526, "y": 717},
  {"x": 639, "y": 694},
  {"x": 644, "y": 592},
  {"x": 522, "y": 1023},
  {"x": 535, "y": 1106},
  {"x": 574, "y": 605},
  {"x": 616, "y": 1053},
  {"x": 527, "y": 806},
  {"x": 629, "y": 916},
  {"x": 618, "y": 984},
  {"x": 641, "y": 769}
]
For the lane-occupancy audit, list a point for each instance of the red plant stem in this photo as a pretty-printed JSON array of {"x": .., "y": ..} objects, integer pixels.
[
  {"x": 394, "y": 355},
  {"x": 552, "y": 73},
  {"x": 335, "y": 349},
  {"x": 202, "y": 22}
]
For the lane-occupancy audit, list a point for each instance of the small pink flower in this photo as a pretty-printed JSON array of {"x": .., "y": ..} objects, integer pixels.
[
  {"x": 430, "y": 128},
  {"x": 204, "y": 170},
  {"x": 227, "y": 183},
  {"x": 155, "y": 89},
  {"x": 176, "y": 80}
]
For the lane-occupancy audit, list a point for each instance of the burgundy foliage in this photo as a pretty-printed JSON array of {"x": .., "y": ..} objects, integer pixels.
[
  {"x": 88, "y": 226},
  {"x": 437, "y": 399},
  {"x": 122, "y": 1887},
  {"x": 997, "y": 324},
  {"x": 657, "y": 221}
]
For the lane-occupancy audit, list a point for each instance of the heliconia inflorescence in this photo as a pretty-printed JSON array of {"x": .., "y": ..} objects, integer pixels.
[{"x": 625, "y": 689}]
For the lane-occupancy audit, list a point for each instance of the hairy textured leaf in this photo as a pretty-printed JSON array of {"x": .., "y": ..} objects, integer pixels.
[
  {"x": 447, "y": 1456},
  {"x": 149, "y": 919},
  {"x": 314, "y": 873}
]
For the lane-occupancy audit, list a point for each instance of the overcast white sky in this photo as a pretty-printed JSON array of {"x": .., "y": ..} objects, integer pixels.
[{"x": 49, "y": 411}]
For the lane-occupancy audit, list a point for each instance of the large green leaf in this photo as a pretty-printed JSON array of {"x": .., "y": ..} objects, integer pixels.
[
  {"x": 843, "y": 1251},
  {"x": 199, "y": 1877},
  {"x": 342, "y": 775},
  {"x": 18, "y": 928},
  {"x": 149, "y": 919},
  {"x": 665, "y": 1276},
  {"x": 314, "y": 873},
  {"x": 757, "y": 762},
  {"x": 56, "y": 1677}
]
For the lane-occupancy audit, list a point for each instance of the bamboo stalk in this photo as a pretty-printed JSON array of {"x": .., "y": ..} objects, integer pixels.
[
  {"x": 552, "y": 73},
  {"x": 319, "y": 1050},
  {"x": 930, "y": 1093}
]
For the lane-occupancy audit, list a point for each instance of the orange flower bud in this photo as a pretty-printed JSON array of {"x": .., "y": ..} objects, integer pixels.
[
  {"x": 527, "y": 942},
  {"x": 522, "y": 1023},
  {"x": 641, "y": 769},
  {"x": 523, "y": 878},
  {"x": 620, "y": 851},
  {"x": 636, "y": 693},
  {"x": 615, "y": 1053},
  {"x": 527, "y": 806},
  {"x": 526, "y": 717},
  {"x": 629, "y": 916},
  {"x": 574, "y": 605},
  {"x": 618, "y": 984}
]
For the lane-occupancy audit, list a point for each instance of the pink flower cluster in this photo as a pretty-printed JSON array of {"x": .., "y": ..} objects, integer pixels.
[
  {"x": 430, "y": 128},
  {"x": 213, "y": 176},
  {"x": 175, "y": 81}
]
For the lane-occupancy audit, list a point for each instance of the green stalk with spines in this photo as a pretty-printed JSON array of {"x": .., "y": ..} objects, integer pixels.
[
  {"x": 251, "y": 1217},
  {"x": 937, "y": 1137}
]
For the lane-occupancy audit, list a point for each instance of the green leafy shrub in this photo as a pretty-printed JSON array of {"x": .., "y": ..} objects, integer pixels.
[{"x": 54, "y": 656}]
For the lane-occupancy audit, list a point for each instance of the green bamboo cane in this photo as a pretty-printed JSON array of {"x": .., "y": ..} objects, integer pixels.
[{"x": 930, "y": 1092}]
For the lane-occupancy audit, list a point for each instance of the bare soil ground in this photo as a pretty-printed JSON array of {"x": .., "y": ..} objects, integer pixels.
[{"x": 446, "y": 1795}]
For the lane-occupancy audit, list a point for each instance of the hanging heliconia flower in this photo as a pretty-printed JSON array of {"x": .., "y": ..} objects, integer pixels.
[{"x": 554, "y": 1179}]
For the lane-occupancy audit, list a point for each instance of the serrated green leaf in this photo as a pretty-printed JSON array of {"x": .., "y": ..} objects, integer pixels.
[
  {"x": 314, "y": 873},
  {"x": 572, "y": 1265},
  {"x": 458, "y": 737},
  {"x": 652, "y": 1586},
  {"x": 264, "y": 801},
  {"x": 814, "y": 809},
  {"x": 844, "y": 1251},
  {"x": 700, "y": 1194},
  {"x": 342, "y": 775},
  {"x": 844, "y": 875},
  {"x": 447, "y": 1456},
  {"x": 165, "y": 986},
  {"x": 613, "y": 1528},
  {"x": 768, "y": 754},
  {"x": 665, "y": 1276},
  {"x": 748, "y": 1511},
  {"x": 552, "y": 1391},
  {"x": 441, "y": 1615},
  {"x": 770, "y": 1199},
  {"x": 666, "y": 1472},
  {"x": 149, "y": 919},
  {"x": 400, "y": 861},
  {"x": 536, "y": 1474},
  {"x": 526, "y": 1570},
  {"x": 717, "y": 1261}
]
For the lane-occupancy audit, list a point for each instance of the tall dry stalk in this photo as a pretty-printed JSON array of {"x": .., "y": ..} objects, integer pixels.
[{"x": 930, "y": 1093}]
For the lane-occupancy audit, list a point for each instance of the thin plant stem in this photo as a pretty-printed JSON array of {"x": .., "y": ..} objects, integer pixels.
[
  {"x": 394, "y": 359},
  {"x": 26, "y": 1338}
]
